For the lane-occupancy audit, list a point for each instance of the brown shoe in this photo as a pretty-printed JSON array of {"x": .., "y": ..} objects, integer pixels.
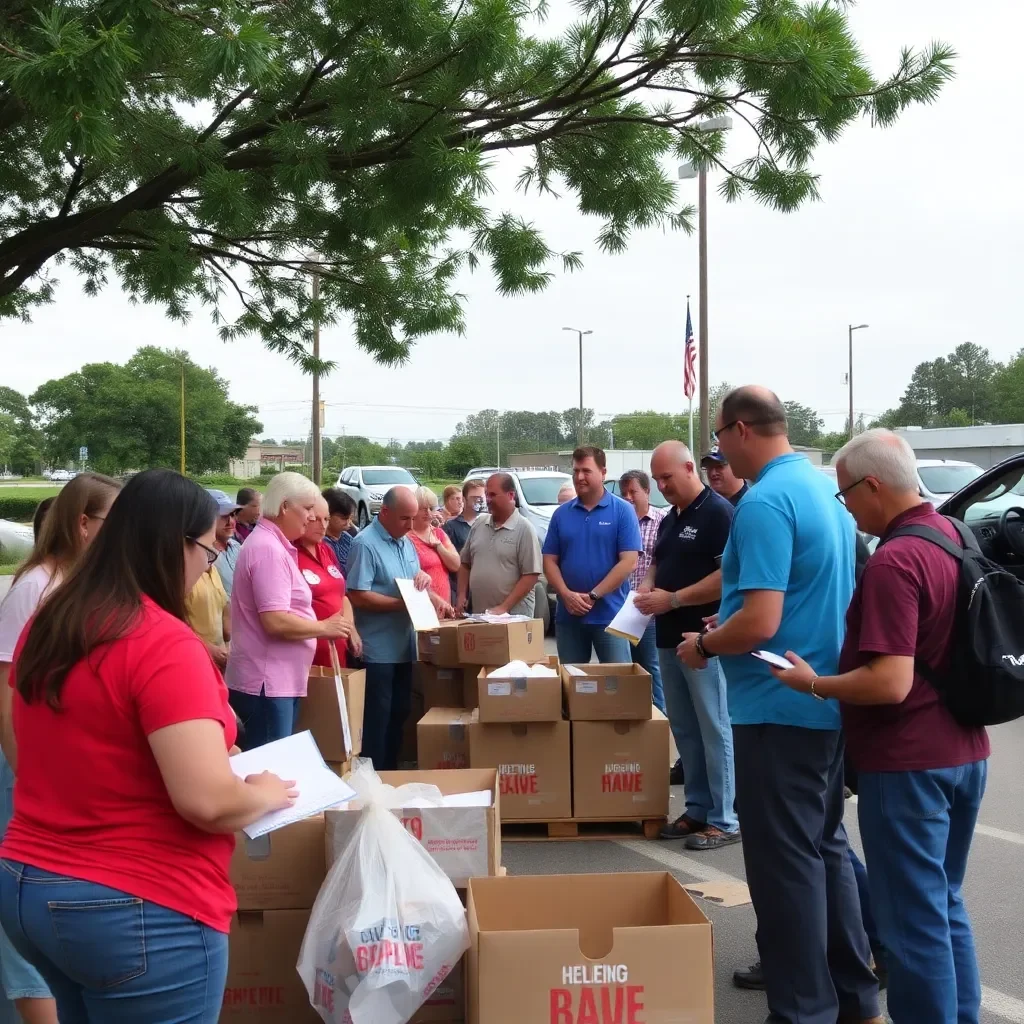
[{"x": 682, "y": 827}]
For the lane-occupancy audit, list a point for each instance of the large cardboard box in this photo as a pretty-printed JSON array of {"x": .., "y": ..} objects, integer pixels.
[
  {"x": 520, "y": 699},
  {"x": 447, "y": 1003},
  {"x": 443, "y": 687},
  {"x": 282, "y": 870},
  {"x": 533, "y": 763},
  {"x": 442, "y": 739},
  {"x": 439, "y": 646},
  {"x": 618, "y": 769},
  {"x": 608, "y": 949},
  {"x": 263, "y": 986},
  {"x": 320, "y": 711},
  {"x": 493, "y": 643},
  {"x": 465, "y": 841},
  {"x": 607, "y": 693}
]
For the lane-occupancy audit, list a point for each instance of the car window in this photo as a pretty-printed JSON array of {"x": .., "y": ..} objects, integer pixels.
[
  {"x": 947, "y": 479},
  {"x": 346, "y": 476},
  {"x": 1007, "y": 491},
  {"x": 543, "y": 490},
  {"x": 377, "y": 477},
  {"x": 656, "y": 498}
]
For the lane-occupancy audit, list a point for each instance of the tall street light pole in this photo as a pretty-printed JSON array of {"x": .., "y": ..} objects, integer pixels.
[
  {"x": 714, "y": 124},
  {"x": 849, "y": 376},
  {"x": 579, "y": 429}
]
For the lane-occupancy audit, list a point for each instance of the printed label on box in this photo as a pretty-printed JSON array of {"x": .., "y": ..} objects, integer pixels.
[
  {"x": 586, "y": 686},
  {"x": 499, "y": 689},
  {"x": 599, "y": 992}
]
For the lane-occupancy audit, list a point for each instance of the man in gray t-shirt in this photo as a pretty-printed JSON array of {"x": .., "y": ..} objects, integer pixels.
[{"x": 501, "y": 560}]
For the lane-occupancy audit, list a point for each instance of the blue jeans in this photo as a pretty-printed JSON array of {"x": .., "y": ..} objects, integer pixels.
[
  {"x": 577, "y": 640},
  {"x": 264, "y": 719},
  {"x": 698, "y": 715},
  {"x": 917, "y": 829},
  {"x": 386, "y": 706},
  {"x": 645, "y": 654},
  {"x": 108, "y": 956},
  {"x": 864, "y": 892}
]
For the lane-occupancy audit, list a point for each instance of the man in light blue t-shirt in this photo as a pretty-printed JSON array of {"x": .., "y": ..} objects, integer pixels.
[{"x": 787, "y": 579}]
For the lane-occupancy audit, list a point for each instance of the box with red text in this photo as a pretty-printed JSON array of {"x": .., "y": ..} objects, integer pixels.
[
  {"x": 588, "y": 949},
  {"x": 442, "y": 739}
]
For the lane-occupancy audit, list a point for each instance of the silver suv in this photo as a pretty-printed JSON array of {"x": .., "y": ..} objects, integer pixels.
[{"x": 367, "y": 485}]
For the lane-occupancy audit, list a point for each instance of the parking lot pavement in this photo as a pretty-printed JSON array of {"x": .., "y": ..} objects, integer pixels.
[
  {"x": 993, "y": 894},
  {"x": 5, "y": 585}
]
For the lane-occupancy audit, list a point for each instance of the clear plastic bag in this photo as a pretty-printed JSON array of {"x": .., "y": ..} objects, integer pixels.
[{"x": 387, "y": 926}]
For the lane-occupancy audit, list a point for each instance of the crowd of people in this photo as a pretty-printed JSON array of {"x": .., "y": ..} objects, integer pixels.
[{"x": 158, "y": 627}]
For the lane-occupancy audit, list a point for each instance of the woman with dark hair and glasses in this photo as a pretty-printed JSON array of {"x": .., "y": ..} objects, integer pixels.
[{"x": 114, "y": 878}]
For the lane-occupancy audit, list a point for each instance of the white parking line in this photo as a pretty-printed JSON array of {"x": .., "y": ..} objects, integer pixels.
[
  {"x": 992, "y": 1000},
  {"x": 989, "y": 830}
]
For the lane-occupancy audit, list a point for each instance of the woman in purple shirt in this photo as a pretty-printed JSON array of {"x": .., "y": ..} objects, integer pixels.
[{"x": 274, "y": 629}]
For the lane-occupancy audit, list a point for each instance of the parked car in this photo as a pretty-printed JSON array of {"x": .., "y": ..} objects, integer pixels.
[
  {"x": 940, "y": 479},
  {"x": 657, "y": 498},
  {"x": 367, "y": 485},
  {"x": 536, "y": 498}
]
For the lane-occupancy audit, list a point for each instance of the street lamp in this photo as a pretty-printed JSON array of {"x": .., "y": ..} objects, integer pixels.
[
  {"x": 713, "y": 124},
  {"x": 579, "y": 430},
  {"x": 849, "y": 376}
]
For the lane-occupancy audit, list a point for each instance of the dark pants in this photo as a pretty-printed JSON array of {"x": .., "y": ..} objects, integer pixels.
[
  {"x": 264, "y": 719},
  {"x": 814, "y": 952},
  {"x": 387, "y": 705},
  {"x": 864, "y": 894}
]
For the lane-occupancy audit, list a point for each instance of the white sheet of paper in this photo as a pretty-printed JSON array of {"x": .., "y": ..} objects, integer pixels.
[
  {"x": 773, "y": 659},
  {"x": 481, "y": 798},
  {"x": 498, "y": 619},
  {"x": 295, "y": 757},
  {"x": 417, "y": 604},
  {"x": 630, "y": 622},
  {"x": 339, "y": 686},
  {"x": 574, "y": 670}
]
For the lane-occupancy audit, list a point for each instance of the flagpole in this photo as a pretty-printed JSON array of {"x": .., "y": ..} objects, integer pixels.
[
  {"x": 691, "y": 424},
  {"x": 686, "y": 357}
]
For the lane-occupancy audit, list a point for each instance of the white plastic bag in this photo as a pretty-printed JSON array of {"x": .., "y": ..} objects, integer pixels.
[{"x": 387, "y": 925}]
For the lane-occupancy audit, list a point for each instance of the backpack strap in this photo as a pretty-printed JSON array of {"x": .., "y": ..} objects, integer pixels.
[{"x": 932, "y": 535}]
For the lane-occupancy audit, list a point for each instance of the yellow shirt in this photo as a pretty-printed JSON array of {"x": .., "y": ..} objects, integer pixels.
[{"x": 205, "y": 607}]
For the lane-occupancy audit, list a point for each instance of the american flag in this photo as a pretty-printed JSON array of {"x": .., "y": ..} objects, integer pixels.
[{"x": 689, "y": 357}]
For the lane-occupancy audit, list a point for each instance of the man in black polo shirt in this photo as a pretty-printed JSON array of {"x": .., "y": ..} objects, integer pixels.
[{"x": 682, "y": 588}]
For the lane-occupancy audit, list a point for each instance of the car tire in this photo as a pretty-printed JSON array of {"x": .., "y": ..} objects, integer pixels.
[{"x": 362, "y": 517}]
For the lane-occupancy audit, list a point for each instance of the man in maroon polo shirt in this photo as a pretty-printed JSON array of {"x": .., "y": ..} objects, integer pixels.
[{"x": 921, "y": 774}]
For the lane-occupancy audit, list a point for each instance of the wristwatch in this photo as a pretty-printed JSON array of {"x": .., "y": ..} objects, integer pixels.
[{"x": 593, "y": 596}]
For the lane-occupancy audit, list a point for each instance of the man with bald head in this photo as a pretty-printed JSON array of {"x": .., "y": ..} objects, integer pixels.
[
  {"x": 380, "y": 555},
  {"x": 681, "y": 590},
  {"x": 787, "y": 579}
]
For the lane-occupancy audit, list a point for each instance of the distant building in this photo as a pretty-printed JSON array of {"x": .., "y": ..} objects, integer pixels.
[
  {"x": 619, "y": 460},
  {"x": 265, "y": 458},
  {"x": 983, "y": 445}
]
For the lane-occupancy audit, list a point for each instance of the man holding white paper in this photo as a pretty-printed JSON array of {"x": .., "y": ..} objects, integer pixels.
[{"x": 681, "y": 589}]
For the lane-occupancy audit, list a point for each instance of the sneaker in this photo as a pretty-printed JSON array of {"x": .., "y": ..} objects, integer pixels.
[
  {"x": 682, "y": 827},
  {"x": 750, "y": 978},
  {"x": 712, "y": 839},
  {"x": 675, "y": 774}
]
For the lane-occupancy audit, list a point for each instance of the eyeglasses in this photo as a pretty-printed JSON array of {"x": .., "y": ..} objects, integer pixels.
[
  {"x": 99, "y": 519},
  {"x": 841, "y": 495},
  {"x": 717, "y": 434},
  {"x": 212, "y": 554}
]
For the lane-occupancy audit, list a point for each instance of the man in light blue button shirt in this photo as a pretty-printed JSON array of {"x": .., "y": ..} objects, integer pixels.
[{"x": 380, "y": 555}]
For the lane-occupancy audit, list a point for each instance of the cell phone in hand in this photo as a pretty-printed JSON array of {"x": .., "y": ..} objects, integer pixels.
[{"x": 775, "y": 660}]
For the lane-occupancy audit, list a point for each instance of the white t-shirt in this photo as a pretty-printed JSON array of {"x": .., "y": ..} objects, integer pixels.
[{"x": 19, "y": 606}]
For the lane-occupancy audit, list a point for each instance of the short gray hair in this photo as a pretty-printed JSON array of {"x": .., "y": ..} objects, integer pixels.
[
  {"x": 882, "y": 454},
  {"x": 284, "y": 487}
]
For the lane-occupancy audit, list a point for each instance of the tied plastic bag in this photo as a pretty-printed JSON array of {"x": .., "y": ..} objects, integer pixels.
[{"x": 387, "y": 926}]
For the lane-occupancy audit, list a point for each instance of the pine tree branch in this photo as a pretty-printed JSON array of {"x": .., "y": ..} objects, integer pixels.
[{"x": 226, "y": 113}]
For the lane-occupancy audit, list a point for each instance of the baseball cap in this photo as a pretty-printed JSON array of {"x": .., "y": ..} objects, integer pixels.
[
  {"x": 225, "y": 506},
  {"x": 715, "y": 455}
]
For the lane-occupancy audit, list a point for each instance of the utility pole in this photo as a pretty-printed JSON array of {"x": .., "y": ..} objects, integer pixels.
[
  {"x": 579, "y": 427},
  {"x": 702, "y": 340},
  {"x": 498, "y": 459},
  {"x": 183, "y": 417},
  {"x": 316, "y": 457},
  {"x": 849, "y": 378}
]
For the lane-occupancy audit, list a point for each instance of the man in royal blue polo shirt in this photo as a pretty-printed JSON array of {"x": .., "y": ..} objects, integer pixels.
[
  {"x": 592, "y": 546},
  {"x": 787, "y": 579}
]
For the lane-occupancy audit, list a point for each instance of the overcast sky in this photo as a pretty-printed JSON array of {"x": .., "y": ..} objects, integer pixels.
[{"x": 912, "y": 236}]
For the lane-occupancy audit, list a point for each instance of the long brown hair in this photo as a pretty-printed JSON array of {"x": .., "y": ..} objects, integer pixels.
[
  {"x": 60, "y": 533},
  {"x": 138, "y": 552}
]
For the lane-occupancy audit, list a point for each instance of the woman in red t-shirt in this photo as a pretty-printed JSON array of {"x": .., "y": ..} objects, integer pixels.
[
  {"x": 115, "y": 865},
  {"x": 437, "y": 554},
  {"x": 319, "y": 567}
]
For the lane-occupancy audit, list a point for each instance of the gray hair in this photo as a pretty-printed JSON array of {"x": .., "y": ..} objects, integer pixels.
[
  {"x": 284, "y": 487},
  {"x": 882, "y": 454},
  {"x": 426, "y": 497}
]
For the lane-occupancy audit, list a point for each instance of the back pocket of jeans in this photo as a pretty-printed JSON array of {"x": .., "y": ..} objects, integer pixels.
[{"x": 102, "y": 942}]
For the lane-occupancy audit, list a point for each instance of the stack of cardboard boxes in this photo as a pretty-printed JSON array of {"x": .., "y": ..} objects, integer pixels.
[{"x": 320, "y": 711}]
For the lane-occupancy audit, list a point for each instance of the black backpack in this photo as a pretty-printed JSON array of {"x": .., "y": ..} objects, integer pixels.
[{"x": 984, "y": 684}]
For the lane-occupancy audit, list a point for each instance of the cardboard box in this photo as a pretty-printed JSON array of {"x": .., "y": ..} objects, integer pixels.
[
  {"x": 608, "y": 949},
  {"x": 533, "y": 763},
  {"x": 443, "y": 687},
  {"x": 407, "y": 757},
  {"x": 447, "y": 1003},
  {"x": 263, "y": 986},
  {"x": 522, "y": 699},
  {"x": 442, "y": 739},
  {"x": 618, "y": 769},
  {"x": 465, "y": 841},
  {"x": 319, "y": 711},
  {"x": 282, "y": 870},
  {"x": 439, "y": 646},
  {"x": 607, "y": 693},
  {"x": 485, "y": 643}
]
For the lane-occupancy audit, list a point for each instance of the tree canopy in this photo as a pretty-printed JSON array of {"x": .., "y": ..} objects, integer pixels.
[
  {"x": 129, "y": 416},
  {"x": 210, "y": 152}
]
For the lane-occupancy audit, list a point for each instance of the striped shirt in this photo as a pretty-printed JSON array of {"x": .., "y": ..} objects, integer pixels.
[{"x": 649, "y": 526}]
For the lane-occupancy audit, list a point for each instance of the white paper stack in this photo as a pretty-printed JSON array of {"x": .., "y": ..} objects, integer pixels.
[{"x": 520, "y": 670}]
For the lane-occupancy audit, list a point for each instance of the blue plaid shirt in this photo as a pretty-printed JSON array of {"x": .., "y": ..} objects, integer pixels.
[{"x": 341, "y": 548}]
